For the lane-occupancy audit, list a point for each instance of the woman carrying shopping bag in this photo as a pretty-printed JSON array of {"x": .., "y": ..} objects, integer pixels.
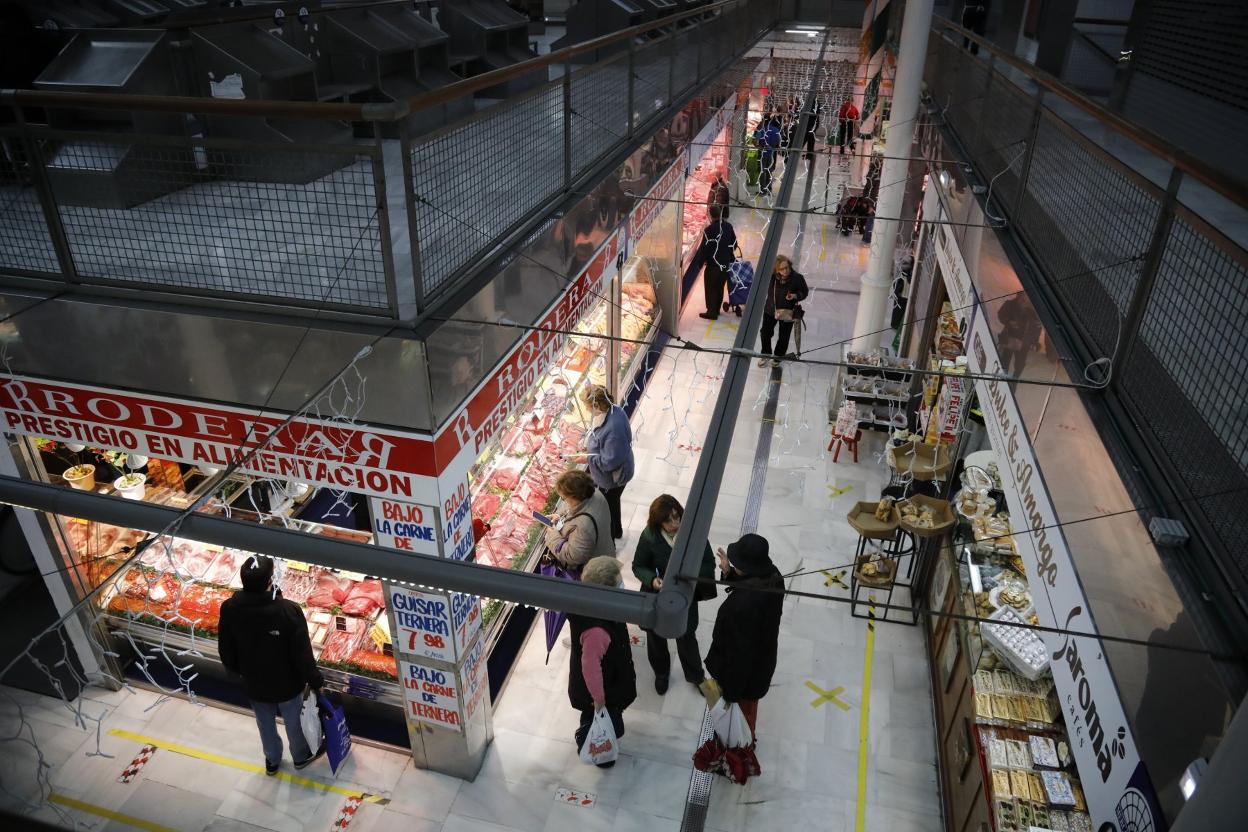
[
  {"x": 600, "y": 672},
  {"x": 784, "y": 307}
]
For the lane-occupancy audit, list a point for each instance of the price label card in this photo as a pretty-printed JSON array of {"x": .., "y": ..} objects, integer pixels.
[{"x": 298, "y": 566}]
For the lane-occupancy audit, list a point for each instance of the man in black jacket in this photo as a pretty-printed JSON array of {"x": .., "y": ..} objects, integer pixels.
[
  {"x": 264, "y": 638},
  {"x": 717, "y": 252},
  {"x": 742, "y": 658}
]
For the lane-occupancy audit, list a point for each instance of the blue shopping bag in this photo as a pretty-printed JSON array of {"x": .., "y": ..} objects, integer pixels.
[{"x": 337, "y": 736}]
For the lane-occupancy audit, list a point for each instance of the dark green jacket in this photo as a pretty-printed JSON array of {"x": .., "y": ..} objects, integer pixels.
[{"x": 650, "y": 562}]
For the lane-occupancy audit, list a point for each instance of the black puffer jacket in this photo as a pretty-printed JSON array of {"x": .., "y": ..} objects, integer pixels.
[
  {"x": 742, "y": 658},
  {"x": 266, "y": 642}
]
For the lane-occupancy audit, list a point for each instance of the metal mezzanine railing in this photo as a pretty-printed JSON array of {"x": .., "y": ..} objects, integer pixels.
[
  {"x": 1141, "y": 276},
  {"x": 283, "y": 203}
]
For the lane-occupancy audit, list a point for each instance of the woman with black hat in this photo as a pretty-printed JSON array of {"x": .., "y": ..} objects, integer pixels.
[{"x": 742, "y": 658}]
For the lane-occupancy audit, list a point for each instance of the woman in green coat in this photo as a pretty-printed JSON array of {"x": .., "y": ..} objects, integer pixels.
[{"x": 654, "y": 549}]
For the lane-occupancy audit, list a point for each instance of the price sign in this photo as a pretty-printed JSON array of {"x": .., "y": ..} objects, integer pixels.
[
  {"x": 431, "y": 695},
  {"x": 423, "y": 622},
  {"x": 407, "y": 527}
]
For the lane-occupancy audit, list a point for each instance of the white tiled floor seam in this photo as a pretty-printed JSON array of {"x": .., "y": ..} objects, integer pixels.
[{"x": 808, "y": 752}]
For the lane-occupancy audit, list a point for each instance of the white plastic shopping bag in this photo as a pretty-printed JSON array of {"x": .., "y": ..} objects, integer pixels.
[
  {"x": 310, "y": 721},
  {"x": 730, "y": 725},
  {"x": 601, "y": 745}
]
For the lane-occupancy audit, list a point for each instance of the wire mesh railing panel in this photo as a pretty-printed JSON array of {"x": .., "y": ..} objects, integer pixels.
[
  {"x": 651, "y": 65},
  {"x": 474, "y": 182},
  {"x": 262, "y": 221},
  {"x": 966, "y": 105},
  {"x": 1002, "y": 140},
  {"x": 1089, "y": 225},
  {"x": 1182, "y": 434},
  {"x": 599, "y": 112},
  {"x": 1196, "y": 325},
  {"x": 25, "y": 243},
  {"x": 684, "y": 69}
]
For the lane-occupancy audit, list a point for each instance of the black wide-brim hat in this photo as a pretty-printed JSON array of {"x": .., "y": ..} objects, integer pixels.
[{"x": 749, "y": 555}]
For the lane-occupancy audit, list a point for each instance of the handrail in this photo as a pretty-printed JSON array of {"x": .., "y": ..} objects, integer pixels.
[
  {"x": 344, "y": 112},
  {"x": 1223, "y": 183}
]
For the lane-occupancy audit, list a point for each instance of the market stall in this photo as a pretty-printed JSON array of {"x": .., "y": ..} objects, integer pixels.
[
  {"x": 515, "y": 473},
  {"x": 170, "y": 596}
]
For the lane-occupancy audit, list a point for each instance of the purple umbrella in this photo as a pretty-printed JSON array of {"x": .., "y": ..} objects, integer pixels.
[{"x": 554, "y": 618}]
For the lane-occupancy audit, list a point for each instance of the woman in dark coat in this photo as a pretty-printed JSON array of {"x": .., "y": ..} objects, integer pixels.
[
  {"x": 784, "y": 297},
  {"x": 654, "y": 549},
  {"x": 600, "y": 671},
  {"x": 742, "y": 658}
]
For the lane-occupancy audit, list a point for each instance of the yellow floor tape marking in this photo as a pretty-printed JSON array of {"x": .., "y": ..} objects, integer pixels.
[
  {"x": 242, "y": 766},
  {"x": 834, "y": 492},
  {"x": 709, "y": 326},
  {"x": 827, "y": 696},
  {"x": 91, "y": 808},
  {"x": 834, "y": 578},
  {"x": 860, "y": 820}
]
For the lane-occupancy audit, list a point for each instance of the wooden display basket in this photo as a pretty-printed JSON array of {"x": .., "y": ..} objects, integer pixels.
[
  {"x": 923, "y": 461},
  {"x": 862, "y": 518},
  {"x": 944, "y": 519},
  {"x": 884, "y": 576}
]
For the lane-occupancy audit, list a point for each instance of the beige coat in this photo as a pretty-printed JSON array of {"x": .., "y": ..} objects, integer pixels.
[{"x": 577, "y": 541}]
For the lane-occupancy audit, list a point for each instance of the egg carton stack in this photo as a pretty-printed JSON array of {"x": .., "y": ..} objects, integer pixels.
[{"x": 1019, "y": 646}]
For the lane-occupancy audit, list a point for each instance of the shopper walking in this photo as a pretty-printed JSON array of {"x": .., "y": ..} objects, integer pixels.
[
  {"x": 654, "y": 550},
  {"x": 816, "y": 112},
  {"x": 783, "y": 308},
  {"x": 264, "y": 638},
  {"x": 610, "y": 457},
  {"x": 581, "y": 526},
  {"x": 974, "y": 15},
  {"x": 1020, "y": 333},
  {"x": 717, "y": 252},
  {"x": 600, "y": 670},
  {"x": 847, "y": 125},
  {"x": 742, "y": 658},
  {"x": 767, "y": 138},
  {"x": 719, "y": 194}
]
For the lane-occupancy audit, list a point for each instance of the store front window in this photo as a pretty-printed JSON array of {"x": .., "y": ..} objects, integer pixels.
[{"x": 1174, "y": 701}]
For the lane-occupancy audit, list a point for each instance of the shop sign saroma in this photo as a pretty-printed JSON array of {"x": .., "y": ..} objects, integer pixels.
[{"x": 1109, "y": 764}]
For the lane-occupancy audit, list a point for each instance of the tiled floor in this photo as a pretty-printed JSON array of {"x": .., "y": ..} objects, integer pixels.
[{"x": 809, "y": 747}]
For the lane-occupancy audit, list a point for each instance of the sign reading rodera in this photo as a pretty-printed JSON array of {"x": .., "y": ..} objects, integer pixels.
[{"x": 360, "y": 459}]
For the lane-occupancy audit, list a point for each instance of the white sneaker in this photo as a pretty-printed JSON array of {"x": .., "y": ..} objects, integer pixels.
[
  {"x": 762, "y": 362},
  {"x": 775, "y": 362}
]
